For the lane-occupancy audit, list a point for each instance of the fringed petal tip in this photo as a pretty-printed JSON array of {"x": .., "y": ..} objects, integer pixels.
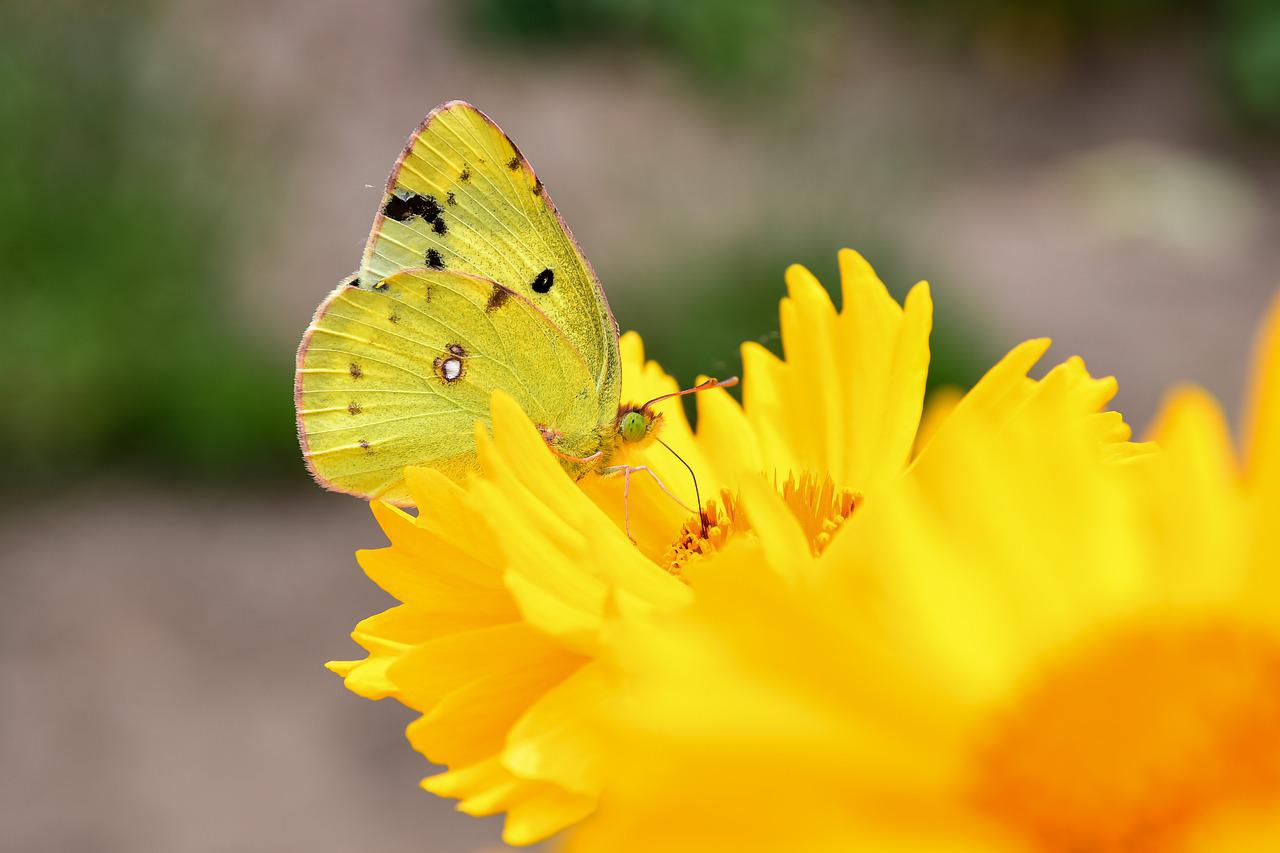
[
  {"x": 535, "y": 810},
  {"x": 366, "y": 678},
  {"x": 342, "y": 668}
]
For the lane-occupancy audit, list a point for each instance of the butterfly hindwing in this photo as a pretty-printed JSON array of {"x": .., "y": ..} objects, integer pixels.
[
  {"x": 463, "y": 198},
  {"x": 399, "y": 374}
]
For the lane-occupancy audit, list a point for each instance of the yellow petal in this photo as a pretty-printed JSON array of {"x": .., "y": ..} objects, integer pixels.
[
  {"x": 766, "y": 401},
  {"x": 727, "y": 440},
  {"x": 431, "y": 583},
  {"x": 535, "y": 809},
  {"x": 471, "y": 722},
  {"x": 556, "y": 739},
  {"x": 433, "y": 669},
  {"x": 783, "y": 542},
  {"x": 387, "y": 636},
  {"x": 887, "y": 350},
  {"x": 470, "y": 780},
  {"x": 563, "y": 555},
  {"x": 937, "y": 408},
  {"x": 544, "y": 814},
  {"x": 808, "y": 321},
  {"x": 1200, "y": 536},
  {"x": 846, "y": 402}
]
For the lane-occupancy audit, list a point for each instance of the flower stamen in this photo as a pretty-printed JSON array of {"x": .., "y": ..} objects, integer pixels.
[{"x": 819, "y": 506}]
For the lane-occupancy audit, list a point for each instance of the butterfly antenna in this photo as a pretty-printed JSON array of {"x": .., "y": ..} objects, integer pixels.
[
  {"x": 702, "y": 516},
  {"x": 701, "y": 386}
]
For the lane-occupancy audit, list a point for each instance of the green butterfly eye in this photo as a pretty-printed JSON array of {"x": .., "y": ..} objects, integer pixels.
[{"x": 632, "y": 426}]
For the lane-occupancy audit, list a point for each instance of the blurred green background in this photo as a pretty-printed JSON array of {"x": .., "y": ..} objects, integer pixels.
[{"x": 182, "y": 182}]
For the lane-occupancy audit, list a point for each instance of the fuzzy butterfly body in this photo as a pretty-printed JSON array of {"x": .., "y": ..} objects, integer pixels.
[{"x": 470, "y": 283}]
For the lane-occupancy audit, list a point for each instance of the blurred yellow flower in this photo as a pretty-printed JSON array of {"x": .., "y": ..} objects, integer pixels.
[
  {"x": 510, "y": 584},
  {"x": 1034, "y": 641}
]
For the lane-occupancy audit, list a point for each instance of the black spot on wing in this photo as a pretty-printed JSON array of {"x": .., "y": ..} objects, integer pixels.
[
  {"x": 402, "y": 205},
  {"x": 543, "y": 281},
  {"x": 354, "y": 281},
  {"x": 497, "y": 298},
  {"x": 364, "y": 444},
  {"x": 397, "y": 209},
  {"x": 354, "y": 408},
  {"x": 355, "y": 371},
  {"x": 514, "y": 163},
  {"x": 449, "y": 199},
  {"x": 465, "y": 175},
  {"x": 434, "y": 260}
]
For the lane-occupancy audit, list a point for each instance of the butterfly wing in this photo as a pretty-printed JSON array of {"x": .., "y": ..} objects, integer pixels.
[
  {"x": 399, "y": 374},
  {"x": 463, "y": 198}
]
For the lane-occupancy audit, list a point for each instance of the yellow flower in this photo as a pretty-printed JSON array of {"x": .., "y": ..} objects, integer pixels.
[
  {"x": 1034, "y": 641},
  {"x": 843, "y": 406},
  {"x": 505, "y": 581},
  {"x": 504, "y": 584},
  {"x": 509, "y": 583}
]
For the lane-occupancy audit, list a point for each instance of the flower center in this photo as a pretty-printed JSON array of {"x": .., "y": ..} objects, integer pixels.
[
  {"x": 819, "y": 507},
  {"x": 1123, "y": 746}
]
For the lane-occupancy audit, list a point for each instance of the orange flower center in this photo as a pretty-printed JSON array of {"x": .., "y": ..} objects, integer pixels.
[
  {"x": 819, "y": 507},
  {"x": 1124, "y": 746}
]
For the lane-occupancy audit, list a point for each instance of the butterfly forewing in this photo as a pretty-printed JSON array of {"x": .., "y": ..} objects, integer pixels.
[{"x": 462, "y": 198}]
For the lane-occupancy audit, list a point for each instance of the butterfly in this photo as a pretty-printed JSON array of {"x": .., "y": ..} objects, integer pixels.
[{"x": 470, "y": 282}]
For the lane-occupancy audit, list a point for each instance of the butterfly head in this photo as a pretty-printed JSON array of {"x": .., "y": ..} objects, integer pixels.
[
  {"x": 636, "y": 424},
  {"x": 633, "y": 426}
]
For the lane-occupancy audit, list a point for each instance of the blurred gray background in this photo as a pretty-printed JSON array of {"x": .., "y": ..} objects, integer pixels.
[{"x": 182, "y": 182}]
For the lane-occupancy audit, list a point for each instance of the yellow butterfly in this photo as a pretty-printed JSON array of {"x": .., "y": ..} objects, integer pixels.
[{"x": 470, "y": 282}]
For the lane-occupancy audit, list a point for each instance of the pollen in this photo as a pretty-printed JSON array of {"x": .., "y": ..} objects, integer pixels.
[
  {"x": 701, "y": 537},
  {"x": 819, "y": 506},
  {"x": 1130, "y": 741}
]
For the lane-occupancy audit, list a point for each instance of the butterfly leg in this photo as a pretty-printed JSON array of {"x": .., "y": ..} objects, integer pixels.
[
  {"x": 626, "y": 471},
  {"x": 586, "y": 460},
  {"x": 626, "y": 502},
  {"x": 637, "y": 469}
]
